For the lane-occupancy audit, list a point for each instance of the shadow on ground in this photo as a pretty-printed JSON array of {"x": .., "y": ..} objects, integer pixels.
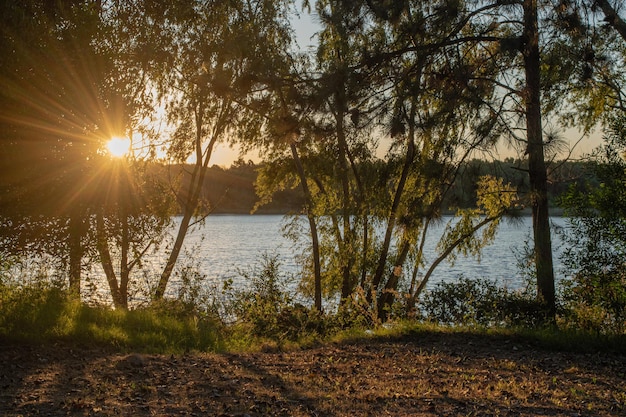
[{"x": 425, "y": 374}]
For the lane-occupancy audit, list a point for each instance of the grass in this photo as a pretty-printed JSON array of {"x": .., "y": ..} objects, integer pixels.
[{"x": 42, "y": 314}]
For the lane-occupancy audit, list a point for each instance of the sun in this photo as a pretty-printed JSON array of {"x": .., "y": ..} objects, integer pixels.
[{"x": 119, "y": 147}]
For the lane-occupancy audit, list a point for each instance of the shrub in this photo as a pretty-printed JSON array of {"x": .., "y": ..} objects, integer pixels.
[
  {"x": 597, "y": 302},
  {"x": 32, "y": 311},
  {"x": 268, "y": 309},
  {"x": 479, "y": 302},
  {"x": 356, "y": 312}
]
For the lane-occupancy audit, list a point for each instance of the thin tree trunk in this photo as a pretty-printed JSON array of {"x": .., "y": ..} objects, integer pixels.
[
  {"x": 346, "y": 258},
  {"x": 536, "y": 163},
  {"x": 612, "y": 18},
  {"x": 105, "y": 260},
  {"x": 447, "y": 252},
  {"x": 75, "y": 252},
  {"x": 391, "y": 221},
  {"x": 124, "y": 269},
  {"x": 317, "y": 270},
  {"x": 388, "y": 296},
  {"x": 364, "y": 216},
  {"x": 412, "y": 299},
  {"x": 420, "y": 254},
  {"x": 195, "y": 187}
]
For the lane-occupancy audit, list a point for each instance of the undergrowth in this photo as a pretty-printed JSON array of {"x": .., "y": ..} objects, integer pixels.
[
  {"x": 266, "y": 317},
  {"x": 45, "y": 314}
]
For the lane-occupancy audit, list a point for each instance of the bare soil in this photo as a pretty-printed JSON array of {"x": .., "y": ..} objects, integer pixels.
[{"x": 426, "y": 374}]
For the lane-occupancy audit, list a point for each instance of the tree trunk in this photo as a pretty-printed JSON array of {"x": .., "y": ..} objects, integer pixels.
[
  {"x": 317, "y": 270},
  {"x": 347, "y": 259},
  {"x": 388, "y": 295},
  {"x": 447, "y": 252},
  {"x": 76, "y": 227},
  {"x": 195, "y": 187},
  {"x": 107, "y": 263},
  {"x": 391, "y": 221},
  {"x": 612, "y": 18},
  {"x": 536, "y": 163},
  {"x": 124, "y": 269}
]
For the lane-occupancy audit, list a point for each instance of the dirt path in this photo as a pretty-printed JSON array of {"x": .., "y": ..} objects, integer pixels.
[{"x": 420, "y": 375}]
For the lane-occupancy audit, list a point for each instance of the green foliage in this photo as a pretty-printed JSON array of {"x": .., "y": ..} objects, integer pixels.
[
  {"x": 596, "y": 242},
  {"x": 479, "y": 302},
  {"x": 43, "y": 313},
  {"x": 357, "y": 313},
  {"x": 266, "y": 308},
  {"x": 494, "y": 199}
]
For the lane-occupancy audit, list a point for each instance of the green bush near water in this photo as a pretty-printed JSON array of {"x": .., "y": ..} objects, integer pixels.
[
  {"x": 267, "y": 310},
  {"x": 479, "y": 302}
]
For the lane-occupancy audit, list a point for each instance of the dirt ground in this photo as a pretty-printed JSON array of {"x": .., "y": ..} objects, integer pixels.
[{"x": 420, "y": 375}]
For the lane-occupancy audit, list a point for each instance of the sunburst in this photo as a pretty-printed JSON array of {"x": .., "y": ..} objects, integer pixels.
[{"x": 119, "y": 147}]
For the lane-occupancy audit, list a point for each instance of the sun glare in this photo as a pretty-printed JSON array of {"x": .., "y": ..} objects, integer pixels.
[{"x": 119, "y": 147}]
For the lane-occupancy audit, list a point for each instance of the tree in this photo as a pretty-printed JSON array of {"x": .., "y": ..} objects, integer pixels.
[
  {"x": 219, "y": 63},
  {"x": 537, "y": 171},
  {"x": 77, "y": 79},
  {"x": 50, "y": 112},
  {"x": 514, "y": 28},
  {"x": 424, "y": 99}
]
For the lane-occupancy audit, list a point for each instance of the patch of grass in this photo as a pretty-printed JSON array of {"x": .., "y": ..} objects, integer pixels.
[
  {"x": 44, "y": 314},
  {"x": 544, "y": 338},
  {"x": 573, "y": 341}
]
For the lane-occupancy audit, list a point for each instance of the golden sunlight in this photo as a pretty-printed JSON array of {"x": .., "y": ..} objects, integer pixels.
[{"x": 118, "y": 146}]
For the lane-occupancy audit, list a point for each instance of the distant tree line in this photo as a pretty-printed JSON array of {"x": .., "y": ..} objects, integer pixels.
[{"x": 232, "y": 190}]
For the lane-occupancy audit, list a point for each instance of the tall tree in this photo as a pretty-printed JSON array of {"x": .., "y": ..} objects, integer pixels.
[
  {"x": 425, "y": 99},
  {"x": 537, "y": 170},
  {"x": 513, "y": 27},
  {"x": 218, "y": 68}
]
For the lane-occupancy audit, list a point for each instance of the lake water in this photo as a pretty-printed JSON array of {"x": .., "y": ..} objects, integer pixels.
[{"x": 226, "y": 244}]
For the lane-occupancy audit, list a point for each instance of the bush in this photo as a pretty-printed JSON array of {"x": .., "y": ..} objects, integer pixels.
[
  {"x": 479, "y": 302},
  {"x": 596, "y": 238},
  {"x": 43, "y": 312},
  {"x": 33, "y": 311},
  {"x": 268, "y": 309},
  {"x": 597, "y": 302}
]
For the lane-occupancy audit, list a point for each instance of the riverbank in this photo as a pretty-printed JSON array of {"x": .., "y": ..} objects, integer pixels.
[{"x": 419, "y": 374}]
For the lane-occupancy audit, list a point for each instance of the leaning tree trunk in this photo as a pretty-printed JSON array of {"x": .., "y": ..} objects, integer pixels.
[
  {"x": 195, "y": 187},
  {"x": 107, "y": 262},
  {"x": 393, "y": 212},
  {"x": 536, "y": 163}
]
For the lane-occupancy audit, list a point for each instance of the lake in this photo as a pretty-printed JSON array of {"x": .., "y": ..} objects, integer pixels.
[{"x": 227, "y": 244}]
